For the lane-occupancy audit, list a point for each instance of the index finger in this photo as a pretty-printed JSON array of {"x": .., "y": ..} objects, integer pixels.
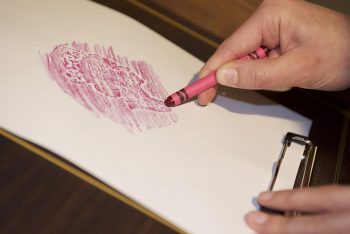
[
  {"x": 244, "y": 40},
  {"x": 334, "y": 197}
]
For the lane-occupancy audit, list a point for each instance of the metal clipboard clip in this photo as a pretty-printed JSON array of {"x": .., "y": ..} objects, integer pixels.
[{"x": 305, "y": 169}]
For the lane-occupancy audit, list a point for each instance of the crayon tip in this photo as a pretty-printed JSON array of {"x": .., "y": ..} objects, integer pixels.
[{"x": 169, "y": 102}]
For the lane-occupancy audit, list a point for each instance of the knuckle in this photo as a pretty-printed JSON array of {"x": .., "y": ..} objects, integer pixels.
[
  {"x": 277, "y": 225},
  {"x": 290, "y": 198},
  {"x": 331, "y": 190},
  {"x": 260, "y": 79},
  {"x": 225, "y": 50},
  {"x": 311, "y": 63},
  {"x": 289, "y": 227}
]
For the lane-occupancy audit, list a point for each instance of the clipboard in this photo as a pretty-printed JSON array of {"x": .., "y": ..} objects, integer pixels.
[{"x": 305, "y": 169}]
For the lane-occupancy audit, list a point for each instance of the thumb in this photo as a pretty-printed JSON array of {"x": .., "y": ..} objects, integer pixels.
[{"x": 278, "y": 74}]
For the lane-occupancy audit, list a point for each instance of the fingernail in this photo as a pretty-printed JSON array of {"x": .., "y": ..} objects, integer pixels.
[
  {"x": 258, "y": 218},
  {"x": 229, "y": 76},
  {"x": 200, "y": 104},
  {"x": 266, "y": 196}
]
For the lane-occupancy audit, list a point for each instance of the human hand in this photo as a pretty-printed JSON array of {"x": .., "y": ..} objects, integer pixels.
[
  {"x": 327, "y": 208},
  {"x": 309, "y": 48}
]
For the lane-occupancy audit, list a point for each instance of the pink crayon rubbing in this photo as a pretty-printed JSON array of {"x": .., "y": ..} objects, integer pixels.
[
  {"x": 205, "y": 83},
  {"x": 127, "y": 92}
]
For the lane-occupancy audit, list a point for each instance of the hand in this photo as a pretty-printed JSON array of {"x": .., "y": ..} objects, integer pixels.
[
  {"x": 327, "y": 208},
  {"x": 309, "y": 48}
]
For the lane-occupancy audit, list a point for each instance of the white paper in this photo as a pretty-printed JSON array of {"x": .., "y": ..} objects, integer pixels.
[
  {"x": 289, "y": 166},
  {"x": 201, "y": 173}
]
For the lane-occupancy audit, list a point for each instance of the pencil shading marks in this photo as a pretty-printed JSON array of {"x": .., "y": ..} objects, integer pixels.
[{"x": 127, "y": 92}]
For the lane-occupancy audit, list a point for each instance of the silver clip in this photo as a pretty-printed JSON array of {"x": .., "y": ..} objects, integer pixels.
[{"x": 306, "y": 166}]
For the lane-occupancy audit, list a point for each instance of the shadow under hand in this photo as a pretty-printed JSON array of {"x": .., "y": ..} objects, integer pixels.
[{"x": 252, "y": 103}]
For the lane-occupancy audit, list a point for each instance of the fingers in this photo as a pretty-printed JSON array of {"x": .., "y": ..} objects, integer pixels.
[
  {"x": 262, "y": 223},
  {"x": 331, "y": 202},
  {"x": 318, "y": 199},
  {"x": 207, "y": 96},
  {"x": 244, "y": 40}
]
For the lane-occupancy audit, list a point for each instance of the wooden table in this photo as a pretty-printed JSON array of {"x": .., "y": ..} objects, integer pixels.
[{"x": 39, "y": 197}]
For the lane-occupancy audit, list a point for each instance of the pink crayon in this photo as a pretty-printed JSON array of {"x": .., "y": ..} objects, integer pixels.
[{"x": 206, "y": 82}]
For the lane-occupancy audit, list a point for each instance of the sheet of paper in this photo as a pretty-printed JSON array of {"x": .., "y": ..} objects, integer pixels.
[{"x": 199, "y": 168}]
